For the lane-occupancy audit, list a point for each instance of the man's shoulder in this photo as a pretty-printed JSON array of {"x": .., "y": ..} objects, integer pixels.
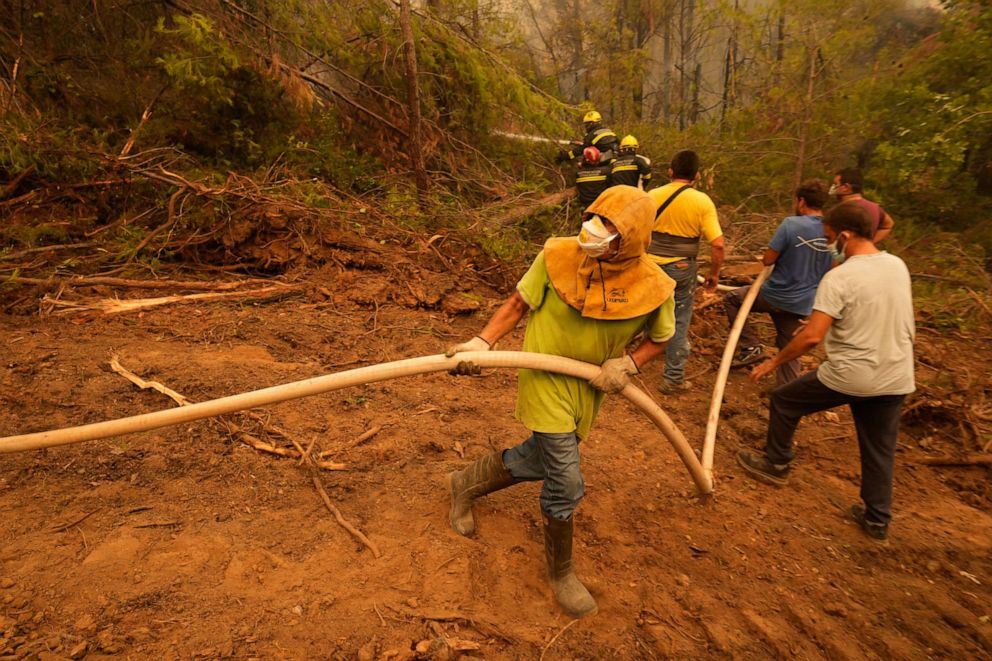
[
  {"x": 699, "y": 197},
  {"x": 802, "y": 223}
]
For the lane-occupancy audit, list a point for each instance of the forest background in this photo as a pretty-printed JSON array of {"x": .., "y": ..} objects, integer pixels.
[{"x": 157, "y": 128}]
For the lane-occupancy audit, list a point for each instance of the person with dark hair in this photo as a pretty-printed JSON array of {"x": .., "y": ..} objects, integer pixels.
[
  {"x": 684, "y": 215},
  {"x": 847, "y": 186},
  {"x": 863, "y": 313},
  {"x": 801, "y": 258},
  {"x": 631, "y": 168},
  {"x": 592, "y": 178},
  {"x": 588, "y": 298},
  {"x": 597, "y": 135}
]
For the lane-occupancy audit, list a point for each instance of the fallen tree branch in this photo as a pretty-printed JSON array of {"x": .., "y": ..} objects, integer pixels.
[
  {"x": 355, "y": 532},
  {"x": 521, "y": 211},
  {"x": 116, "y": 366},
  {"x": 120, "y": 306},
  {"x": 949, "y": 460},
  {"x": 83, "y": 281},
  {"x": 232, "y": 428},
  {"x": 31, "y": 251},
  {"x": 10, "y": 187}
]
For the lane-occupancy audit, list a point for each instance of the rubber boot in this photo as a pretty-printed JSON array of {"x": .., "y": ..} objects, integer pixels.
[
  {"x": 484, "y": 475},
  {"x": 572, "y": 596}
]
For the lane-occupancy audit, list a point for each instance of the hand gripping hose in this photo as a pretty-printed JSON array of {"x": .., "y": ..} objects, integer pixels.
[{"x": 357, "y": 377}]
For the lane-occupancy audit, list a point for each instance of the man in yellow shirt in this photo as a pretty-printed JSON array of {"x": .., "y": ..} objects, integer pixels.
[
  {"x": 684, "y": 216},
  {"x": 587, "y": 299}
]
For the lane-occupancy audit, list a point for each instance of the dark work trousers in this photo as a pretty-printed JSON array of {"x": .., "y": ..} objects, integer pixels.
[
  {"x": 875, "y": 418},
  {"x": 786, "y": 324}
]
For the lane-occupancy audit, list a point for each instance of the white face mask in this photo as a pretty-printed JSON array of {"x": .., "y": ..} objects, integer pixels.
[
  {"x": 594, "y": 238},
  {"x": 837, "y": 249}
]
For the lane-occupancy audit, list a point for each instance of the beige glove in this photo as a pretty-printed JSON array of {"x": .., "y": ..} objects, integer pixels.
[
  {"x": 467, "y": 367},
  {"x": 614, "y": 374}
]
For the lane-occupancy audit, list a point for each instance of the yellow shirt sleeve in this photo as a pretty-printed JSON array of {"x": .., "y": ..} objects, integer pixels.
[
  {"x": 710, "y": 225},
  {"x": 534, "y": 283}
]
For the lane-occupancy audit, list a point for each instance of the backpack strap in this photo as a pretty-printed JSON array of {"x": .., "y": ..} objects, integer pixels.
[{"x": 671, "y": 199}]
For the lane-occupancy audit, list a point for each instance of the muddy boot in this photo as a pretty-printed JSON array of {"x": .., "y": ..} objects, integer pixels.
[
  {"x": 484, "y": 475},
  {"x": 572, "y": 596}
]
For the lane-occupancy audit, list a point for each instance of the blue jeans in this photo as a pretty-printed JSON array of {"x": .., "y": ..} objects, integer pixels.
[
  {"x": 553, "y": 458},
  {"x": 683, "y": 272}
]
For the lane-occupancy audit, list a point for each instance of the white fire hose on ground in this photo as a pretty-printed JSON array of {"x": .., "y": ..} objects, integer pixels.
[{"x": 357, "y": 377}]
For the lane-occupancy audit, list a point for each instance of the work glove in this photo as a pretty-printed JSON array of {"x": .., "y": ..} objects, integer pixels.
[
  {"x": 614, "y": 374},
  {"x": 467, "y": 367}
]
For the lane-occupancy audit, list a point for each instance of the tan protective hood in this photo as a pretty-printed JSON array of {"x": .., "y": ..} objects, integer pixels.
[{"x": 629, "y": 284}]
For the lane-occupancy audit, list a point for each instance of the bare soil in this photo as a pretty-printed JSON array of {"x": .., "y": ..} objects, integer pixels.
[{"x": 185, "y": 543}]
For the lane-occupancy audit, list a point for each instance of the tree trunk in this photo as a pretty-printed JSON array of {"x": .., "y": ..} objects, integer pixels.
[
  {"x": 729, "y": 96},
  {"x": 413, "y": 97},
  {"x": 807, "y": 115}
]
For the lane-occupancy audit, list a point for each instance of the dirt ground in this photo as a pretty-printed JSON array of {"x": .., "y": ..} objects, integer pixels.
[{"x": 186, "y": 543}]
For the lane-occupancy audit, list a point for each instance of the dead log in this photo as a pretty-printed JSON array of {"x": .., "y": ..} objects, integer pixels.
[
  {"x": 521, "y": 211},
  {"x": 950, "y": 460},
  {"x": 119, "y": 306},
  {"x": 172, "y": 285}
]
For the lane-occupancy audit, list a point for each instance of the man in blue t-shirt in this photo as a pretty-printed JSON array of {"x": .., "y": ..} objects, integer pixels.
[{"x": 801, "y": 257}]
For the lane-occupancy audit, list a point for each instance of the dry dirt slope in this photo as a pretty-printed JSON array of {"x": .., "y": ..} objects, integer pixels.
[{"x": 196, "y": 546}]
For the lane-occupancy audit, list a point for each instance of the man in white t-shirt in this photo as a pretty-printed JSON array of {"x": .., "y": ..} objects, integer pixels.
[{"x": 863, "y": 313}]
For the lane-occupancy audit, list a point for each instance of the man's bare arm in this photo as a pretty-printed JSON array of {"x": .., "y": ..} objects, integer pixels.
[
  {"x": 505, "y": 318},
  {"x": 884, "y": 228},
  {"x": 717, "y": 254},
  {"x": 810, "y": 336},
  {"x": 646, "y": 352}
]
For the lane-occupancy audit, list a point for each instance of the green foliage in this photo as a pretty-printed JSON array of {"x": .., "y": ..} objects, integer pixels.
[
  {"x": 201, "y": 59},
  {"x": 934, "y": 157}
]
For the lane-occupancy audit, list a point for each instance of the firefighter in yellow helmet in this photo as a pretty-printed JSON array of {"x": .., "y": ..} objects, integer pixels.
[
  {"x": 597, "y": 135},
  {"x": 631, "y": 168}
]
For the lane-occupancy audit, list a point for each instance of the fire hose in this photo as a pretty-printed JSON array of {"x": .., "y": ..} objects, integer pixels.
[{"x": 357, "y": 377}]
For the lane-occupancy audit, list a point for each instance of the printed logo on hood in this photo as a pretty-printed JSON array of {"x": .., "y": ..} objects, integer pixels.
[{"x": 617, "y": 295}]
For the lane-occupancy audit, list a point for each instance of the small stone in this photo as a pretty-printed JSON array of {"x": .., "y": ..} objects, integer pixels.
[
  {"x": 423, "y": 646},
  {"x": 933, "y": 566},
  {"x": 48, "y": 656},
  {"x": 835, "y": 609},
  {"x": 8, "y": 598},
  {"x": 78, "y": 651},
  {"x": 105, "y": 639},
  {"x": 6, "y": 582},
  {"x": 297, "y": 609},
  {"x": 682, "y": 580},
  {"x": 412, "y": 602},
  {"x": 367, "y": 651},
  {"x": 85, "y": 623}
]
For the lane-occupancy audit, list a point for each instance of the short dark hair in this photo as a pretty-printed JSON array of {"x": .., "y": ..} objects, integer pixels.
[
  {"x": 850, "y": 217},
  {"x": 852, "y": 177},
  {"x": 685, "y": 164},
  {"x": 814, "y": 193}
]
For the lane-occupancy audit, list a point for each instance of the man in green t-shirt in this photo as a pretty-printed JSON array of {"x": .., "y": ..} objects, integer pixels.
[{"x": 588, "y": 298}]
